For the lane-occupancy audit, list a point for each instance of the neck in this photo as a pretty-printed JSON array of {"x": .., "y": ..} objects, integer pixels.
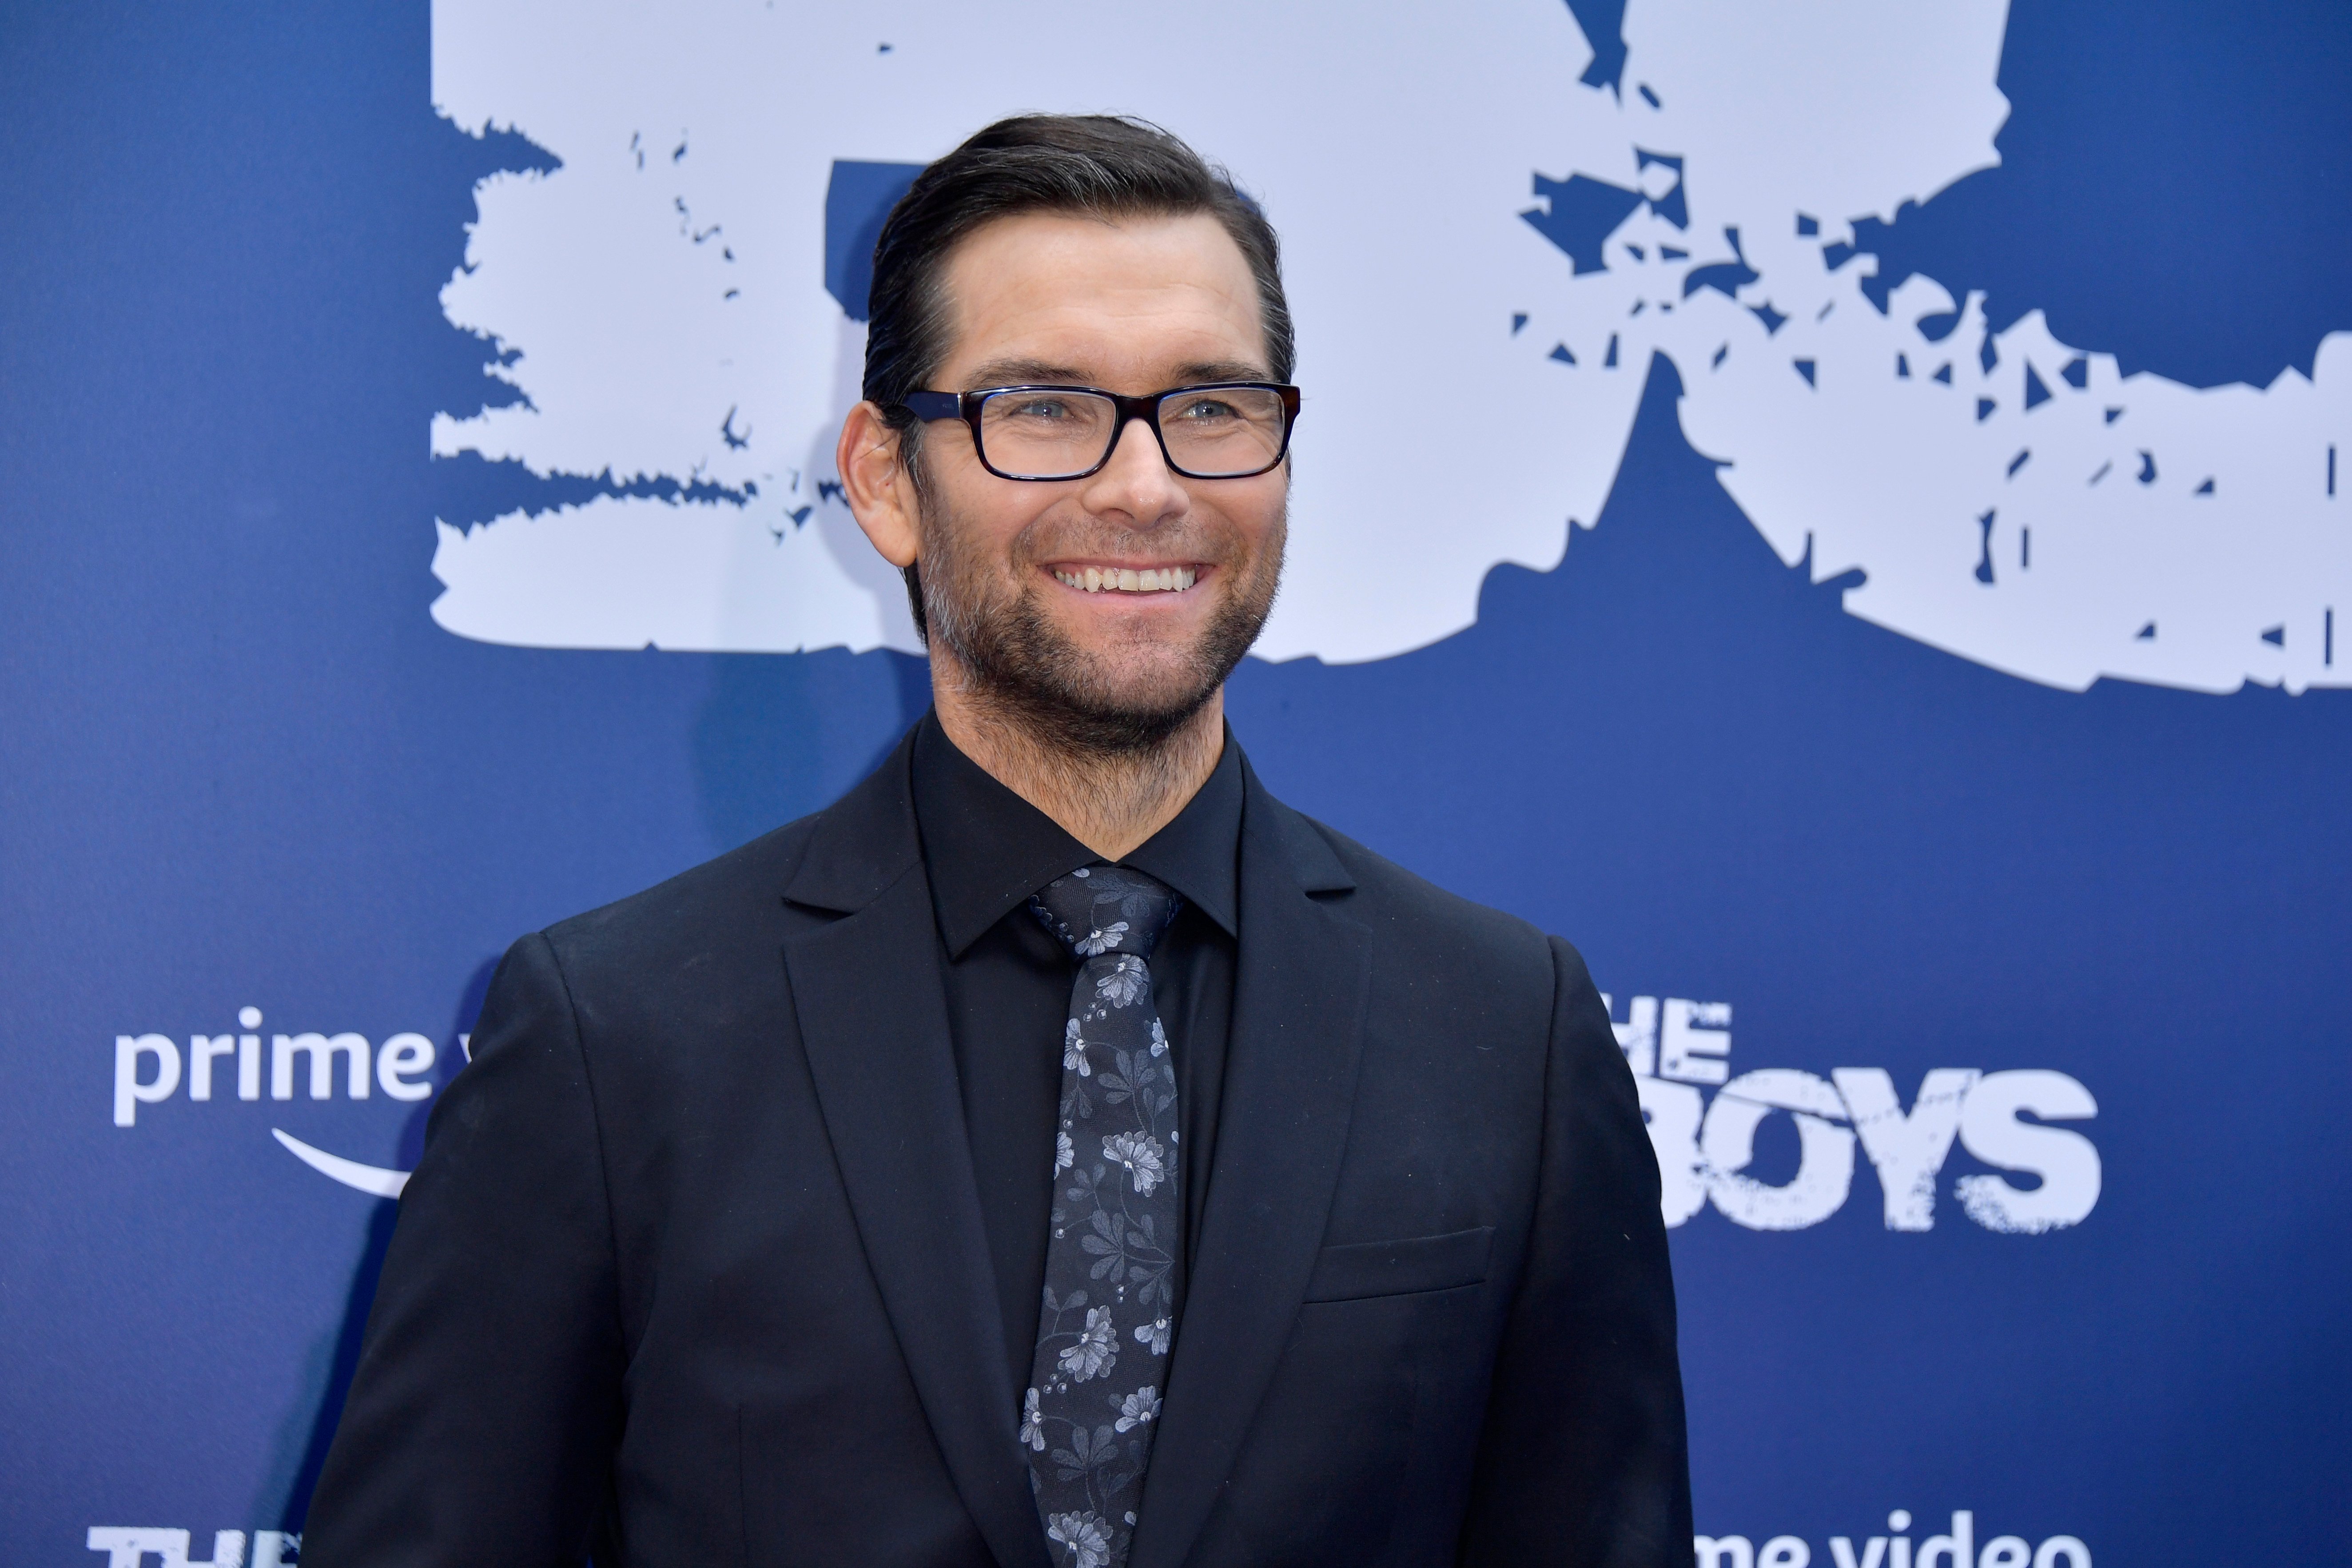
[{"x": 1111, "y": 803}]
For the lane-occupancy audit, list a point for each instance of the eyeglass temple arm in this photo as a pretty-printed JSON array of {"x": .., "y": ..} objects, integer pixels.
[{"x": 933, "y": 404}]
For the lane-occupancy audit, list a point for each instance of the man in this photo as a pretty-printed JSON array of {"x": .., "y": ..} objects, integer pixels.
[{"x": 1059, "y": 1151}]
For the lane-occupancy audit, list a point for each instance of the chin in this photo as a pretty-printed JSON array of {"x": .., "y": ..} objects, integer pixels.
[
  {"x": 1170, "y": 681},
  {"x": 1157, "y": 703},
  {"x": 1112, "y": 701}
]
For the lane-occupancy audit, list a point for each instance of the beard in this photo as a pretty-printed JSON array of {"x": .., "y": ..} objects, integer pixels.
[{"x": 1071, "y": 698}]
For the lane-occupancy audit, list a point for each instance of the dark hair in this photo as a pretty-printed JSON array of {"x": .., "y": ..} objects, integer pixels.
[{"x": 1108, "y": 166}]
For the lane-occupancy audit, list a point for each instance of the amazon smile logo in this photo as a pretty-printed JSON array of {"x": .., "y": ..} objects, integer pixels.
[{"x": 153, "y": 1070}]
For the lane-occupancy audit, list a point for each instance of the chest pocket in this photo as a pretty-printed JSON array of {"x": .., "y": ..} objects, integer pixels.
[{"x": 1405, "y": 1266}]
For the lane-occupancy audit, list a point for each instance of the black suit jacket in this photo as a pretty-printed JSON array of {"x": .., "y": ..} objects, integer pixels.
[{"x": 692, "y": 1269}]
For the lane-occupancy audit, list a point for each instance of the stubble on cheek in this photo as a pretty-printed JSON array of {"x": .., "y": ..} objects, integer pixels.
[{"x": 992, "y": 614}]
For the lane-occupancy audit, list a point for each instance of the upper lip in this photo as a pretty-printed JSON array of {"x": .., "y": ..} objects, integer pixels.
[{"x": 1100, "y": 564}]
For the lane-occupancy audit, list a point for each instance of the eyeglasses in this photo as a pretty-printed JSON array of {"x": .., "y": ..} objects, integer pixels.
[{"x": 1223, "y": 430}]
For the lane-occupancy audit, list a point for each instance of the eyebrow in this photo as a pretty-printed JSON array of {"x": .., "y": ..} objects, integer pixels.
[
  {"x": 1033, "y": 372},
  {"x": 1224, "y": 370},
  {"x": 1018, "y": 372}
]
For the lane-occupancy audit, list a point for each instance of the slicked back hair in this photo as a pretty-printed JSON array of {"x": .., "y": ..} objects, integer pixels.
[{"x": 1096, "y": 165}]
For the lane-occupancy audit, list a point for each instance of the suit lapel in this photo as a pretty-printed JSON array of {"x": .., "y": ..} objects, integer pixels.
[
  {"x": 1290, "y": 1077},
  {"x": 872, "y": 1009}
]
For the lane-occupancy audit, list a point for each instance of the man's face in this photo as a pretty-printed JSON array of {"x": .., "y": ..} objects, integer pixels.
[{"x": 1139, "y": 305}]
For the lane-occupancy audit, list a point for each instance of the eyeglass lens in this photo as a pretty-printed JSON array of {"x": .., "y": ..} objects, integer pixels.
[{"x": 1211, "y": 433}]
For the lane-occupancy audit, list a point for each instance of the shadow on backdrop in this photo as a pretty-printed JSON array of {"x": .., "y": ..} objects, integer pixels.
[
  {"x": 780, "y": 737},
  {"x": 333, "y": 1358}
]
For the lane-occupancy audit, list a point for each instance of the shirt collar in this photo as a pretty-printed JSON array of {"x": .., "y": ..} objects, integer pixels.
[{"x": 987, "y": 850}]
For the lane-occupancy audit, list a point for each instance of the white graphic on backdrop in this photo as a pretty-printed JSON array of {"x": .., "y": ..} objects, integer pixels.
[
  {"x": 1956, "y": 1550},
  {"x": 2016, "y": 501},
  {"x": 128, "y": 1547},
  {"x": 661, "y": 303},
  {"x": 376, "y": 1181},
  {"x": 149, "y": 1069},
  {"x": 664, "y": 295},
  {"x": 1678, "y": 1048}
]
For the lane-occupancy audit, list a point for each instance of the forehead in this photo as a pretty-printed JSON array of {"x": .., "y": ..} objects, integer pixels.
[{"x": 1120, "y": 298}]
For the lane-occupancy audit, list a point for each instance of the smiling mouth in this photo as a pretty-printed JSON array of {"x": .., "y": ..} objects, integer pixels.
[{"x": 1127, "y": 580}]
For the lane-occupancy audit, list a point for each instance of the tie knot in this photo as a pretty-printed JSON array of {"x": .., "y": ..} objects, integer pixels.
[{"x": 1105, "y": 909}]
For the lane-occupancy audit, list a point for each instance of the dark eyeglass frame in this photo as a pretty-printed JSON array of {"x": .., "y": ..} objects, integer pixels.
[{"x": 966, "y": 406}]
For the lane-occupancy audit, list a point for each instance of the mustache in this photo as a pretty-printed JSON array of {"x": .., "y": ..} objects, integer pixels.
[{"x": 1056, "y": 540}]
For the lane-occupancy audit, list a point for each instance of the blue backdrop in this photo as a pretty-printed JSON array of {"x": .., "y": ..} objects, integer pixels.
[{"x": 245, "y": 769}]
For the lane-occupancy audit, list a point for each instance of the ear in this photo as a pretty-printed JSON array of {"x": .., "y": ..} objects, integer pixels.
[{"x": 880, "y": 492}]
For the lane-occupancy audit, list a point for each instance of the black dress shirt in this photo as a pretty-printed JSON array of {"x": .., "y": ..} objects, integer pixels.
[{"x": 1008, "y": 988}]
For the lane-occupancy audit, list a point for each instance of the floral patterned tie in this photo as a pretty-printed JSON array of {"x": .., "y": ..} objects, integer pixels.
[{"x": 1118, "y": 1209}]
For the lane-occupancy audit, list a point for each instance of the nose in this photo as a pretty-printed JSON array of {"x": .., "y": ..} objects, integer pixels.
[{"x": 1137, "y": 486}]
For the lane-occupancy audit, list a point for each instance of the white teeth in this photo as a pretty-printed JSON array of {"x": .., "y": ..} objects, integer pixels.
[{"x": 1127, "y": 580}]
